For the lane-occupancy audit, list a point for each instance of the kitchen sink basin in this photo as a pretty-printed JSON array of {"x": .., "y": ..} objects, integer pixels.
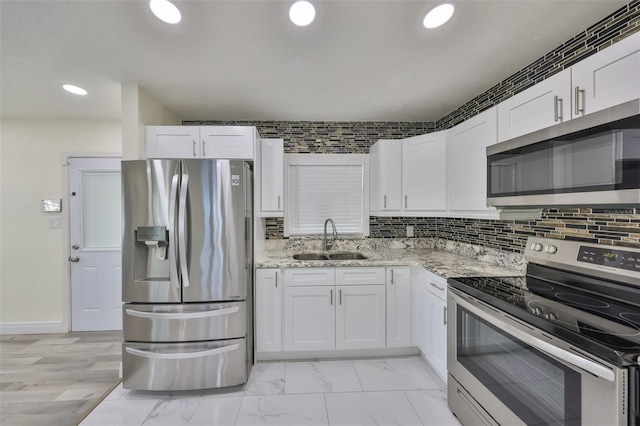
[
  {"x": 329, "y": 256},
  {"x": 346, "y": 256},
  {"x": 310, "y": 256}
]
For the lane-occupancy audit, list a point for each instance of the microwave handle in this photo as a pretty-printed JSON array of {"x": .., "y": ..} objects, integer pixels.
[{"x": 546, "y": 347}]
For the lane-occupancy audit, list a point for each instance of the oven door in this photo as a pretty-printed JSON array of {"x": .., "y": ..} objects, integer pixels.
[{"x": 514, "y": 374}]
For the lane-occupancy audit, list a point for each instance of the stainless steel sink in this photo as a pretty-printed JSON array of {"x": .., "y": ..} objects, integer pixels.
[
  {"x": 329, "y": 256},
  {"x": 347, "y": 256},
  {"x": 310, "y": 256}
]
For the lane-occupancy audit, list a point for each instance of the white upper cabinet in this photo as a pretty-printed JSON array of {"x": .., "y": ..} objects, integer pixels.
[
  {"x": 233, "y": 142},
  {"x": 607, "y": 78},
  {"x": 467, "y": 164},
  {"x": 228, "y": 141},
  {"x": 173, "y": 141},
  {"x": 407, "y": 177},
  {"x": 424, "y": 172},
  {"x": 385, "y": 176},
  {"x": 540, "y": 106},
  {"x": 272, "y": 177}
]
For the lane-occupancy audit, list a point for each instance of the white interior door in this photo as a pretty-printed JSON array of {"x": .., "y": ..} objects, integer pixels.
[{"x": 96, "y": 239}]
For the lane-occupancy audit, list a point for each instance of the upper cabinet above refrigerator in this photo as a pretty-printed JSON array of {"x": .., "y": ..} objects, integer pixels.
[{"x": 229, "y": 142}]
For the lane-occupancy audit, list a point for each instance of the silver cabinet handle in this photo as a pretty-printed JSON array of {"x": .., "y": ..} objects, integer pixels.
[
  {"x": 194, "y": 149},
  {"x": 578, "y": 91},
  {"x": 436, "y": 286},
  {"x": 204, "y": 149},
  {"x": 384, "y": 204},
  {"x": 276, "y": 279},
  {"x": 184, "y": 355},
  {"x": 278, "y": 202},
  {"x": 340, "y": 296},
  {"x": 74, "y": 259},
  {"x": 392, "y": 277},
  {"x": 331, "y": 297},
  {"x": 557, "y": 109},
  {"x": 182, "y": 315},
  {"x": 406, "y": 198},
  {"x": 444, "y": 318}
]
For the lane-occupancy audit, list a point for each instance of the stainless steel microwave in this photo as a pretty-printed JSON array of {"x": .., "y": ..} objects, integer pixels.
[{"x": 592, "y": 161}]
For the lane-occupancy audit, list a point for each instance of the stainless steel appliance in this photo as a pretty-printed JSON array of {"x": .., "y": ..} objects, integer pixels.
[
  {"x": 589, "y": 161},
  {"x": 187, "y": 274},
  {"x": 560, "y": 346}
]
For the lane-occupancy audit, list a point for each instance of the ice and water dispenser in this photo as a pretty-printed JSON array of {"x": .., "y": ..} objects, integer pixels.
[{"x": 151, "y": 257}]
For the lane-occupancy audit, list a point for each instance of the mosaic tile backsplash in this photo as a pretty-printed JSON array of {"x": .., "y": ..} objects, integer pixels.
[{"x": 619, "y": 227}]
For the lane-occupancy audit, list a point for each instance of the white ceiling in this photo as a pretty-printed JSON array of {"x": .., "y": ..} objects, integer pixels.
[{"x": 243, "y": 59}]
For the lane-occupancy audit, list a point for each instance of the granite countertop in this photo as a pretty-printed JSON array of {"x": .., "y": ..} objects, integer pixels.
[{"x": 444, "y": 258}]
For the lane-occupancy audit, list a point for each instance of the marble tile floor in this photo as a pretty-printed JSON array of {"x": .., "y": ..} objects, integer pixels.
[
  {"x": 54, "y": 379},
  {"x": 394, "y": 391}
]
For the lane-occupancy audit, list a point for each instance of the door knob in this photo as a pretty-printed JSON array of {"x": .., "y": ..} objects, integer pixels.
[{"x": 74, "y": 259}]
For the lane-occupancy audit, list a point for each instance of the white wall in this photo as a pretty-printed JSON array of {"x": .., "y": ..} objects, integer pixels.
[{"x": 32, "y": 268}]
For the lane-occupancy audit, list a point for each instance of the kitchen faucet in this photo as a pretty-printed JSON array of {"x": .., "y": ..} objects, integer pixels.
[{"x": 326, "y": 246}]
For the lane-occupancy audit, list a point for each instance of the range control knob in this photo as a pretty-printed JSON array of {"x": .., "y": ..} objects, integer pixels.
[
  {"x": 551, "y": 316},
  {"x": 550, "y": 249},
  {"x": 536, "y": 247}
]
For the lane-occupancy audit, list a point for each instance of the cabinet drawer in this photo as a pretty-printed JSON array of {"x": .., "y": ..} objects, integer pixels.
[
  {"x": 309, "y": 276},
  {"x": 437, "y": 285},
  {"x": 184, "y": 322},
  {"x": 360, "y": 276},
  {"x": 184, "y": 366}
]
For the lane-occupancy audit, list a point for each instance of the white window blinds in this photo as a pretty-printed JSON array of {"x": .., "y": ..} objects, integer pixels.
[{"x": 327, "y": 187}]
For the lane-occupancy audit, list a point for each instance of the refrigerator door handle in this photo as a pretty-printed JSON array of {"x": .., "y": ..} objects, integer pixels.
[
  {"x": 182, "y": 315},
  {"x": 173, "y": 249},
  {"x": 182, "y": 355},
  {"x": 182, "y": 243}
]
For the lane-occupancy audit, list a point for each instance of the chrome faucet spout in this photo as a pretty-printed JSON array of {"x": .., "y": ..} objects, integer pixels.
[{"x": 326, "y": 246}]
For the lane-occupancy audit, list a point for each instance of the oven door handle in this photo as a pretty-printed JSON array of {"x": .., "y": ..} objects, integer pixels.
[{"x": 546, "y": 347}]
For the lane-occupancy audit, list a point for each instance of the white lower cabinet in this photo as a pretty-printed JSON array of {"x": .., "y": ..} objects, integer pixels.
[
  {"x": 399, "y": 307},
  {"x": 268, "y": 303},
  {"x": 360, "y": 317},
  {"x": 334, "y": 308},
  {"x": 435, "y": 304},
  {"x": 309, "y": 318}
]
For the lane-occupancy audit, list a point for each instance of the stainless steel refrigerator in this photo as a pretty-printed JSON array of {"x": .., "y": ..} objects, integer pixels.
[{"x": 187, "y": 276}]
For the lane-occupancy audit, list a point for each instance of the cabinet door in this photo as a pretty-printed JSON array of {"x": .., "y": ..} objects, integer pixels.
[
  {"x": 360, "y": 317},
  {"x": 607, "y": 78},
  {"x": 437, "y": 356},
  {"x": 398, "y": 307},
  {"x": 543, "y": 105},
  {"x": 309, "y": 318},
  {"x": 172, "y": 141},
  {"x": 467, "y": 162},
  {"x": 268, "y": 303},
  {"x": 272, "y": 173},
  {"x": 235, "y": 142},
  {"x": 385, "y": 176},
  {"x": 424, "y": 172}
]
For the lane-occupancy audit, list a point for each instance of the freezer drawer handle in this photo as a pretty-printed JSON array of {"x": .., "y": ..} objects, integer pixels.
[
  {"x": 182, "y": 315},
  {"x": 182, "y": 355}
]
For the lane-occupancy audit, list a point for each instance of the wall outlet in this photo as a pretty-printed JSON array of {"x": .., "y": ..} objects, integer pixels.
[{"x": 409, "y": 231}]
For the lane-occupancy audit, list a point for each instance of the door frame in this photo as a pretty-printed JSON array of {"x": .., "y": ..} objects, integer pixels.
[{"x": 66, "y": 229}]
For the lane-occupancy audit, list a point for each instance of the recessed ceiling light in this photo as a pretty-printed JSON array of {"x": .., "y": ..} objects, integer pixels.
[
  {"x": 302, "y": 13},
  {"x": 74, "y": 89},
  {"x": 165, "y": 11},
  {"x": 438, "y": 15}
]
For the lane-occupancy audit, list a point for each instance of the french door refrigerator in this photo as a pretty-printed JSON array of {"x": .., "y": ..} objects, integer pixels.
[{"x": 187, "y": 274}]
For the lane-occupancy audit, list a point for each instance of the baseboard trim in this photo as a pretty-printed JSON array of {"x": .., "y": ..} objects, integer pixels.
[{"x": 43, "y": 327}]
